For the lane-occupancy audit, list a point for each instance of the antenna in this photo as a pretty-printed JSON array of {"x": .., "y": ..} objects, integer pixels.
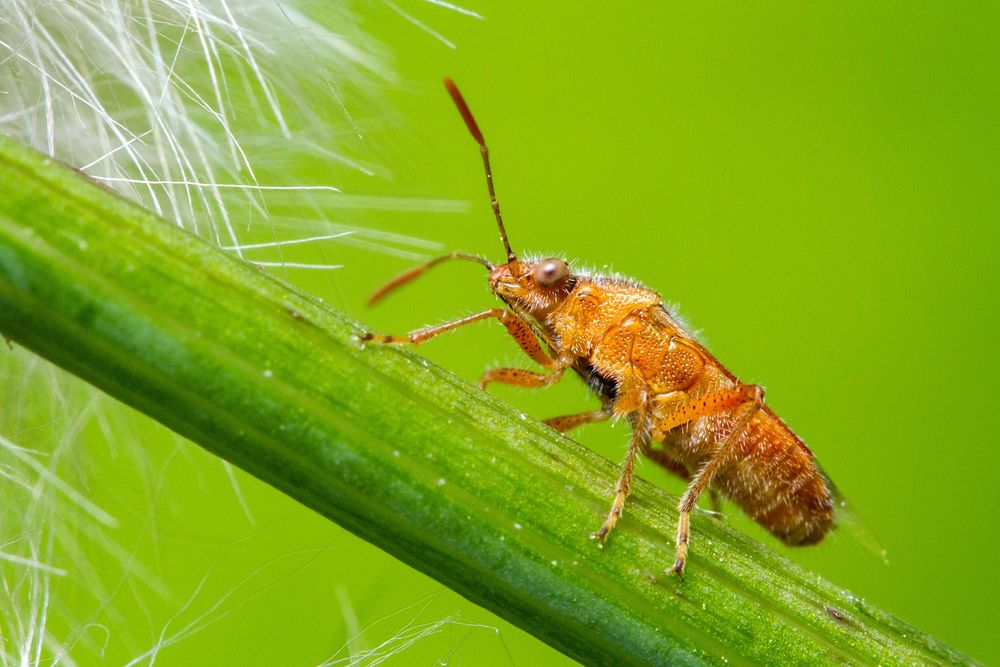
[
  {"x": 470, "y": 122},
  {"x": 418, "y": 271}
]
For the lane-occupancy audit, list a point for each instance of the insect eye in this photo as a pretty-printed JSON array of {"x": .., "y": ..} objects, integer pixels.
[{"x": 551, "y": 272}]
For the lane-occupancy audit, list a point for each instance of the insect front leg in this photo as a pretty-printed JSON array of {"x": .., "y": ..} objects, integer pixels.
[
  {"x": 421, "y": 335},
  {"x": 518, "y": 330},
  {"x": 528, "y": 342}
]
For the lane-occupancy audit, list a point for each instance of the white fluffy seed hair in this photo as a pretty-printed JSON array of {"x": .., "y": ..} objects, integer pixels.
[
  {"x": 178, "y": 104},
  {"x": 152, "y": 96}
]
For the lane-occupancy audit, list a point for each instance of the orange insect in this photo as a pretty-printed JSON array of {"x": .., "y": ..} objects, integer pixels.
[{"x": 688, "y": 413}]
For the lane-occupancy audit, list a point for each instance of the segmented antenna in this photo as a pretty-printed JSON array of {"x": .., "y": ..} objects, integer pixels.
[{"x": 470, "y": 122}]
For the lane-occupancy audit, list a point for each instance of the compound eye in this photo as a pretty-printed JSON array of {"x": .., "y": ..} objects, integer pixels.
[{"x": 551, "y": 272}]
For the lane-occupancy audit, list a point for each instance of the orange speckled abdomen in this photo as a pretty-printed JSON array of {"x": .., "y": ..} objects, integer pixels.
[{"x": 770, "y": 475}]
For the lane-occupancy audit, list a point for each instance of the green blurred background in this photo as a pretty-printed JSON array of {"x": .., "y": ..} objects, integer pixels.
[{"x": 817, "y": 187}]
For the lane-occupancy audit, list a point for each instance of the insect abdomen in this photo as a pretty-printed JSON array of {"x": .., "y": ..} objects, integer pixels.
[{"x": 772, "y": 476}]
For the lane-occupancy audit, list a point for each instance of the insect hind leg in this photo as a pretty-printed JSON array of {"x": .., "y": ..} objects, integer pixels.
[
  {"x": 674, "y": 467},
  {"x": 751, "y": 404}
]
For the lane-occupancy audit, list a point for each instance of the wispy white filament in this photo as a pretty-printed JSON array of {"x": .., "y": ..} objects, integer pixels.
[{"x": 177, "y": 104}]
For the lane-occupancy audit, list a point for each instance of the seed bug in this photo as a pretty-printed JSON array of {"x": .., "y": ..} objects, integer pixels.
[{"x": 688, "y": 413}]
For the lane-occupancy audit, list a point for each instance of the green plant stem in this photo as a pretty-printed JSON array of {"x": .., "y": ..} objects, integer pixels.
[{"x": 400, "y": 452}]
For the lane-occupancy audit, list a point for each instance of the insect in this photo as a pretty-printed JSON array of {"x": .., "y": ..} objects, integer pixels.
[{"x": 688, "y": 413}]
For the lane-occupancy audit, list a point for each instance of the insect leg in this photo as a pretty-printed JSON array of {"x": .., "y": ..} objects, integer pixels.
[
  {"x": 566, "y": 423},
  {"x": 640, "y": 440},
  {"x": 526, "y": 339},
  {"x": 518, "y": 330},
  {"x": 520, "y": 377},
  {"x": 751, "y": 404},
  {"x": 664, "y": 406},
  {"x": 660, "y": 457},
  {"x": 712, "y": 403}
]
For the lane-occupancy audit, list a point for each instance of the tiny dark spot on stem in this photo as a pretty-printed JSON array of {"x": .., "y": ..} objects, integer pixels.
[
  {"x": 296, "y": 314},
  {"x": 837, "y": 616}
]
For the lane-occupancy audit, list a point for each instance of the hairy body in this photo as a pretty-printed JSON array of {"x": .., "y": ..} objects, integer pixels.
[
  {"x": 622, "y": 335},
  {"x": 688, "y": 413}
]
